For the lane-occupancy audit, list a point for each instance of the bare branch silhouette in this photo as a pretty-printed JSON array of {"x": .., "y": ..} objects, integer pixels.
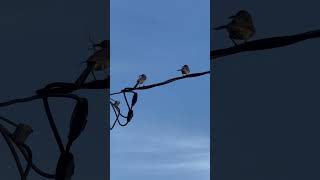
[
  {"x": 134, "y": 99},
  {"x": 65, "y": 166},
  {"x": 161, "y": 83},
  {"x": 63, "y": 90},
  {"x": 263, "y": 44}
]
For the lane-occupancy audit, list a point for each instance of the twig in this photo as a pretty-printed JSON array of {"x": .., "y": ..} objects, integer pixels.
[
  {"x": 117, "y": 115},
  {"x": 161, "y": 83},
  {"x": 29, "y": 159},
  {"x": 22, "y": 100},
  {"x": 125, "y": 90},
  {"x": 52, "y": 124},
  {"x": 5, "y": 135},
  {"x": 125, "y": 97},
  {"x": 34, "y": 167},
  {"x": 263, "y": 44},
  {"x": 9, "y": 122}
]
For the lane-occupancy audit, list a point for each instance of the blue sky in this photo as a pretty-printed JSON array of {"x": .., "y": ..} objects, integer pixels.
[{"x": 168, "y": 137}]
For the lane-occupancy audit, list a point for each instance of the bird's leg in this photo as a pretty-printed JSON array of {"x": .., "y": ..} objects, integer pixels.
[{"x": 136, "y": 85}]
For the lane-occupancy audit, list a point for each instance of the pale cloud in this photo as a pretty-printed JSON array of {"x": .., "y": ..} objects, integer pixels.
[
  {"x": 160, "y": 154},
  {"x": 158, "y": 143},
  {"x": 192, "y": 165}
]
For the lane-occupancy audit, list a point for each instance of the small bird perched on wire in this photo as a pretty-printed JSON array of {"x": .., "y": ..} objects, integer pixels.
[
  {"x": 101, "y": 58},
  {"x": 99, "y": 61},
  {"x": 185, "y": 70},
  {"x": 142, "y": 78},
  {"x": 241, "y": 27}
]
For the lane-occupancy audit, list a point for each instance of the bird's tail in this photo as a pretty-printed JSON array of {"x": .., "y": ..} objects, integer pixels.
[{"x": 220, "y": 27}]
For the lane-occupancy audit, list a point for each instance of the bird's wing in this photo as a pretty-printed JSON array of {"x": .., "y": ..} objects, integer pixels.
[{"x": 100, "y": 58}]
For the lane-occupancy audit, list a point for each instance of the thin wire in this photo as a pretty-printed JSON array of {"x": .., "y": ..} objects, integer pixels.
[
  {"x": 53, "y": 125},
  {"x": 70, "y": 96},
  {"x": 263, "y": 44},
  {"x": 26, "y": 152},
  {"x": 35, "y": 97},
  {"x": 117, "y": 112},
  {"x": 125, "y": 97},
  {"x": 22, "y": 100},
  {"x": 117, "y": 116},
  {"x": 123, "y": 117},
  {"x": 34, "y": 167},
  {"x": 9, "y": 122},
  {"x": 5, "y": 135},
  {"x": 161, "y": 83},
  {"x": 29, "y": 159}
]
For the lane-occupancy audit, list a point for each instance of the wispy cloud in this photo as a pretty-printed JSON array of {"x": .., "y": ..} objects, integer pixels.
[{"x": 161, "y": 154}]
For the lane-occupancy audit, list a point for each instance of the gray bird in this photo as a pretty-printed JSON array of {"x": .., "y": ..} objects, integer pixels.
[
  {"x": 241, "y": 27},
  {"x": 185, "y": 70}
]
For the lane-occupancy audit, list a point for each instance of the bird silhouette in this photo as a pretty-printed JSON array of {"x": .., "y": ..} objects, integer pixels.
[
  {"x": 241, "y": 27},
  {"x": 99, "y": 61},
  {"x": 185, "y": 70},
  {"x": 142, "y": 78}
]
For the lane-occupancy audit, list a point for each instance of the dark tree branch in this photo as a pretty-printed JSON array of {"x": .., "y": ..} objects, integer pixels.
[
  {"x": 58, "y": 89},
  {"x": 33, "y": 166},
  {"x": 53, "y": 125},
  {"x": 77, "y": 123},
  {"x": 6, "y": 137},
  {"x": 29, "y": 159},
  {"x": 135, "y": 96},
  {"x": 263, "y": 44},
  {"x": 22, "y": 100},
  {"x": 97, "y": 84},
  {"x": 9, "y": 122},
  {"x": 161, "y": 83}
]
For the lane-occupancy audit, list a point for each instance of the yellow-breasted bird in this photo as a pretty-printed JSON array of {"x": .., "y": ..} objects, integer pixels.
[
  {"x": 241, "y": 26},
  {"x": 142, "y": 78},
  {"x": 99, "y": 61}
]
